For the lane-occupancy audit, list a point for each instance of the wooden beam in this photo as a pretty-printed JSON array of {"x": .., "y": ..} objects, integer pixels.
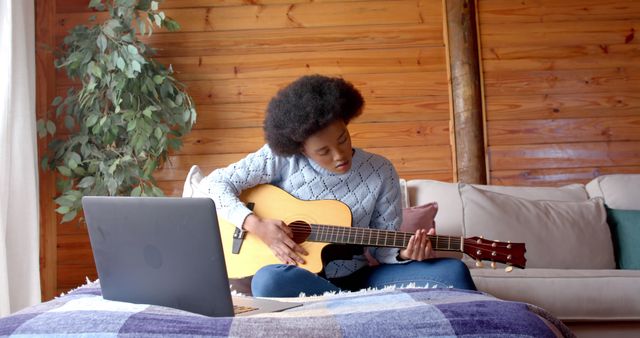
[
  {"x": 45, "y": 92},
  {"x": 466, "y": 91}
]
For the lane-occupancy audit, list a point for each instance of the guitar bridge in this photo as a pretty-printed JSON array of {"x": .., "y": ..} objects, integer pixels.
[
  {"x": 238, "y": 238},
  {"x": 238, "y": 235}
]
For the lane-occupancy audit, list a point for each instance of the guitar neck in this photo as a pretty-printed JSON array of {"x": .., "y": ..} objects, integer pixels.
[{"x": 378, "y": 238}]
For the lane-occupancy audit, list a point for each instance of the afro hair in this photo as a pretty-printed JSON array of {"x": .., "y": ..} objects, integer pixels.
[{"x": 307, "y": 106}]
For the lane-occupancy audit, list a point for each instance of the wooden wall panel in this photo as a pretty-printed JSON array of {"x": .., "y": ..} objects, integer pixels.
[
  {"x": 509, "y": 11},
  {"x": 603, "y": 129},
  {"x": 565, "y": 155},
  {"x": 257, "y": 66},
  {"x": 309, "y": 14},
  {"x": 250, "y": 114},
  {"x": 365, "y": 135},
  {"x": 234, "y": 55},
  {"x": 555, "y": 177},
  {"x": 561, "y": 83},
  {"x": 73, "y": 6},
  {"x": 551, "y": 106}
]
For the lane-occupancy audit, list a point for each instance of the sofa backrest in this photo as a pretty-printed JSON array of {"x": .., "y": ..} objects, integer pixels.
[
  {"x": 450, "y": 216},
  {"x": 619, "y": 191},
  {"x": 561, "y": 226}
]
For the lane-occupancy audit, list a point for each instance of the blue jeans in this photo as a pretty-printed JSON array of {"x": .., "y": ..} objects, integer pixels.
[{"x": 280, "y": 280}]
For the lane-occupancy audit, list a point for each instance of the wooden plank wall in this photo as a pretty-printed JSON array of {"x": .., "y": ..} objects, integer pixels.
[
  {"x": 562, "y": 89},
  {"x": 235, "y": 54}
]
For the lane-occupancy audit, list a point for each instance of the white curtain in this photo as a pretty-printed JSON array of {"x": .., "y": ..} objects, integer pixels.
[{"x": 19, "y": 232}]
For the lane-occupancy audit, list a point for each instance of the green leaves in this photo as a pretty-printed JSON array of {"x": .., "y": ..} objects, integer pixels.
[
  {"x": 158, "y": 79},
  {"x": 91, "y": 120},
  {"x": 96, "y": 4},
  {"x": 102, "y": 43},
  {"x": 51, "y": 127},
  {"x": 56, "y": 101},
  {"x": 87, "y": 182},
  {"x": 120, "y": 63},
  {"x": 125, "y": 115},
  {"x": 111, "y": 28},
  {"x": 45, "y": 127},
  {"x": 135, "y": 65},
  {"x": 65, "y": 171}
]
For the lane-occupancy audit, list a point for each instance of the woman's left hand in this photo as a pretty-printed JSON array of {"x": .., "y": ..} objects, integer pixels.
[{"x": 419, "y": 247}]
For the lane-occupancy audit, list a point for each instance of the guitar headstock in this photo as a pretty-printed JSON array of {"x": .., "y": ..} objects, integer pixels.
[{"x": 508, "y": 253}]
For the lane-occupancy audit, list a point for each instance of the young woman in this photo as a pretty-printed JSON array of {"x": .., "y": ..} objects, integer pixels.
[{"x": 309, "y": 155}]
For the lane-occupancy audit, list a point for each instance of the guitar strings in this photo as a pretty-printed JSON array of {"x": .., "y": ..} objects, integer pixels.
[
  {"x": 332, "y": 233},
  {"x": 332, "y": 230},
  {"x": 370, "y": 236},
  {"x": 367, "y": 236}
]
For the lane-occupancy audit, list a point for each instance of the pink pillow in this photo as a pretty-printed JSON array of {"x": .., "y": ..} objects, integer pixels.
[
  {"x": 419, "y": 217},
  {"x": 414, "y": 218}
]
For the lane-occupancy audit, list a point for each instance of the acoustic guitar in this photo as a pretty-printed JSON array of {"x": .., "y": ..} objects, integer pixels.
[{"x": 316, "y": 224}]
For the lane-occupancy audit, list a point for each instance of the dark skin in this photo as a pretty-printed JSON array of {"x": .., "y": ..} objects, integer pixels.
[{"x": 331, "y": 149}]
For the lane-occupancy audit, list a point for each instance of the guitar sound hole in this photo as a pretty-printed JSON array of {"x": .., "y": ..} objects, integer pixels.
[{"x": 301, "y": 231}]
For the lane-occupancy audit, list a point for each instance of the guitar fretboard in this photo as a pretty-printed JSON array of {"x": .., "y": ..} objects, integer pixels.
[{"x": 373, "y": 237}]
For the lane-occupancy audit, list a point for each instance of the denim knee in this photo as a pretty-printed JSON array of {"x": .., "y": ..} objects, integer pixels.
[
  {"x": 268, "y": 281},
  {"x": 280, "y": 280},
  {"x": 457, "y": 268}
]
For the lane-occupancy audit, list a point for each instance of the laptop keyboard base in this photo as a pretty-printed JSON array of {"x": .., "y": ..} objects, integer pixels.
[{"x": 238, "y": 309}]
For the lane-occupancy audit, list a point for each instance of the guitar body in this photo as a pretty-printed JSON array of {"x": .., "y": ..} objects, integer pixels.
[
  {"x": 316, "y": 224},
  {"x": 272, "y": 202}
]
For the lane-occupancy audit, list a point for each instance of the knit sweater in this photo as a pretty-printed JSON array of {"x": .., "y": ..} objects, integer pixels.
[{"x": 370, "y": 189}]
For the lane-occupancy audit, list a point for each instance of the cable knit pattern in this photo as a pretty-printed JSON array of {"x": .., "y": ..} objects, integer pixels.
[{"x": 370, "y": 189}]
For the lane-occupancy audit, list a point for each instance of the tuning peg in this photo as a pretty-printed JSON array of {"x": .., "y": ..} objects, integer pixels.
[
  {"x": 479, "y": 264},
  {"x": 493, "y": 265},
  {"x": 508, "y": 268}
]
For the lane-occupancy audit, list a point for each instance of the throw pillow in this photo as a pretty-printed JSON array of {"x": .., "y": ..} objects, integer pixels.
[
  {"x": 625, "y": 231},
  {"x": 414, "y": 218},
  {"x": 193, "y": 186},
  {"x": 563, "y": 235},
  {"x": 419, "y": 217},
  {"x": 404, "y": 193}
]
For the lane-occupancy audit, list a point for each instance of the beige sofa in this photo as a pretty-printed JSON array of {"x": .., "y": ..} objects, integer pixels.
[{"x": 571, "y": 269}]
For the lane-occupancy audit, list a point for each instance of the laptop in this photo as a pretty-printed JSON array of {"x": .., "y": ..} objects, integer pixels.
[{"x": 165, "y": 251}]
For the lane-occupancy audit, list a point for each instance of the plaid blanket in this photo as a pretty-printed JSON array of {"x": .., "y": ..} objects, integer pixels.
[{"x": 383, "y": 313}]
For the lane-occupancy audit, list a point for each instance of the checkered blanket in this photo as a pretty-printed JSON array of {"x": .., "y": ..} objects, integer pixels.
[{"x": 384, "y": 313}]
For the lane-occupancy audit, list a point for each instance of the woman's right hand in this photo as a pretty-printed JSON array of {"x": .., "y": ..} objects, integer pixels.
[{"x": 277, "y": 236}]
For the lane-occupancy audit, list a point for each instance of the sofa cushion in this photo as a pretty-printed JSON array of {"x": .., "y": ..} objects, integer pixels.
[
  {"x": 568, "y": 294},
  {"x": 625, "y": 231},
  {"x": 419, "y": 217},
  {"x": 620, "y": 191},
  {"x": 193, "y": 186},
  {"x": 570, "y": 235},
  {"x": 404, "y": 193},
  {"x": 447, "y": 195}
]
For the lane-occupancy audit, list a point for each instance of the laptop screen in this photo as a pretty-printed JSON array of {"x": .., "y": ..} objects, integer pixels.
[{"x": 159, "y": 250}]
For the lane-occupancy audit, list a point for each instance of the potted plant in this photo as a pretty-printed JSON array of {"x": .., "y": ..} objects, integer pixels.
[{"x": 124, "y": 116}]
